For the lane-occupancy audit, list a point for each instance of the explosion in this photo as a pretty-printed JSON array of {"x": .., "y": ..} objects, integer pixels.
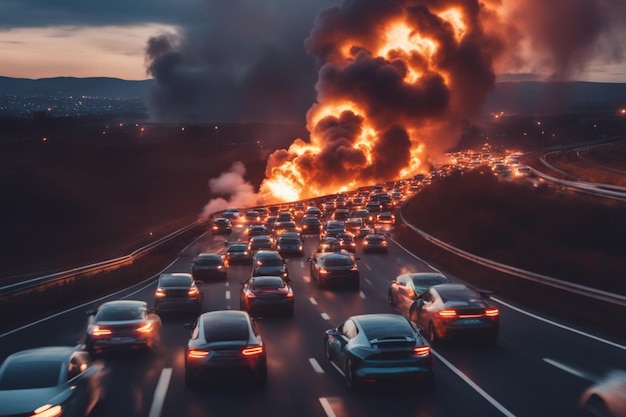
[{"x": 397, "y": 81}]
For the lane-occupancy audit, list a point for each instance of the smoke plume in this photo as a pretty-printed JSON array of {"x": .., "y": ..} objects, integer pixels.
[{"x": 236, "y": 190}]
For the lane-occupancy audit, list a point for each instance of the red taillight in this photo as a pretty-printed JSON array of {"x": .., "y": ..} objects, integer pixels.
[
  {"x": 447, "y": 313},
  {"x": 255, "y": 350},
  {"x": 145, "y": 327},
  {"x": 198, "y": 354},
  {"x": 422, "y": 350},
  {"x": 290, "y": 294},
  {"x": 193, "y": 292},
  {"x": 48, "y": 411},
  {"x": 160, "y": 293},
  {"x": 323, "y": 271},
  {"x": 492, "y": 312},
  {"x": 98, "y": 331}
]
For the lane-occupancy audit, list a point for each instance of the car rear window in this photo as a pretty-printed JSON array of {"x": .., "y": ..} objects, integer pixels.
[
  {"x": 181, "y": 281},
  {"x": 337, "y": 261},
  {"x": 270, "y": 261},
  {"x": 119, "y": 313},
  {"x": 29, "y": 375},
  {"x": 226, "y": 329},
  {"x": 386, "y": 329},
  {"x": 268, "y": 283},
  {"x": 421, "y": 281}
]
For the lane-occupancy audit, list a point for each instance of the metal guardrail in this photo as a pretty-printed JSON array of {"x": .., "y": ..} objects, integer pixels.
[
  {"x": 594, "y": 293},
  {"x": 58, "y": 277}
]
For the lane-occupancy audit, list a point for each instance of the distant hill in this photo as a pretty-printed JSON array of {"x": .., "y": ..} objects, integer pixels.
[
  {"x": 70, "y": 86},
  {"x": 523, "y": 97}
]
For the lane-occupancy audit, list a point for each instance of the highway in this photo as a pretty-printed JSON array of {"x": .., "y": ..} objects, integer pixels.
[{"x": 537, "y": 368}]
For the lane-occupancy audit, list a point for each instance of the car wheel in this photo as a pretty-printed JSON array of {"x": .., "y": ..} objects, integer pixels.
[
  {"x": 596, "y": 407},
  {"x": 351, "y": 380},
  {"x": 432, "y": 333}
]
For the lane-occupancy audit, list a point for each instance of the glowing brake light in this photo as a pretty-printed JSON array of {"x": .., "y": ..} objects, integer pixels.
[
  {"x": 422, "y": 350},
  {"x": 145, "y": 327},
  {"x": 198, "y": 354},
  {"x": 193, "y": 292},
  {"x": 492, "y": 312},
  {"x": 97, "y": 331},
  {"x": 255, "y": 350},
  {"x": 48, "y": 411},
  {"x": 160, "y": 293},
  {"x": 323, "y": 271},
  {"x": 447, "y": 313}
]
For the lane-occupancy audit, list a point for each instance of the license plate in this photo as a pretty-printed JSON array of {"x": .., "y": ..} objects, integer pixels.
[
  {"x": 470, "y": 322},
  {"x": 122, "y": 339}
]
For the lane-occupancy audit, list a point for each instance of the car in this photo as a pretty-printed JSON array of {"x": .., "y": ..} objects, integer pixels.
[
  {"x": 51, "y": 381},
  {"x": 285, "y": 226},
  {"x": 333, "y": 227},
  {"x": 446, "y": 311},
  {"x": 122, "y": 324},
  {"x": 386, "y": 217},
  {"x": 353, "y": 224},
  {"x": 364, "y": 231},
  {"x": 237, "y": 253},
  {"x": 404, "y": 290},
  {"x": 374, "y": 242},
  {"x": 258, "y": 229},
  {"x": 252, "y": 217},
  {"x": 313, "y": 211},
  {"x": 341, "y": 214},
  {"x": 225, "y": 344},
  {"x": 177, "y": 292},
  {"x": 284, "y": 216},
  {"x": 289, "y": 243},
  {"x": 209, "y": 266},
  {"x": 231, "y": 213},
  {"x": 266, "y": 294},
  {"x": 607, "y": 396},
  {"x": 338, "y": 269},
  {"x": 221, "y": 226},
  {"x": 378, "y": 347},
  {"x": 347, "y": 242},
  {"x": 364, "y": 214},
  {"x": 260, "y": 242},
  {"x": 311, "y": 225},
  {"x": 328, "y": 244},
  {"x": 269, "y": 262}
]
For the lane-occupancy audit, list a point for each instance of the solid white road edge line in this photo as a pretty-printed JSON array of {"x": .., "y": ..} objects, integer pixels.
[
  {"x": 562, "y": 326},
  {"x": 472, "y": 384},
  {"x": 316, "y": 366},
  {"x": 160, "y": 392},
  {"x": 60, "y": 313},
  {"x": 568, "y": 369},
  {"x": 327, "y": 407}
]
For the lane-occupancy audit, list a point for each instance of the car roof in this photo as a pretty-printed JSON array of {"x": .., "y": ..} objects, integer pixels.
[
  {"x": 43, "y": 353},
  {"x": 207, "y": 255},
  {"x": 456, "y": 291},
  {"x": 384, "y": 325},
  {"x": 267, "y": 253},
  {"x": 124, "y": 304},
  {"x": 225, "y": 325}
]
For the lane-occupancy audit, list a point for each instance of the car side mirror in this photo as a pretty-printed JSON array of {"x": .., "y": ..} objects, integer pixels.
[{"x": 332, "y": 332}]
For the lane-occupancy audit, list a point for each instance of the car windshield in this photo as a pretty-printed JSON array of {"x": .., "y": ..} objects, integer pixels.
[
  {"x": 175, "y": 281},
  {"x": 119, "y": 313},
  {"x": 289, "y": 242},
  {"x": 268, "y": 283},
  {"x": 237, "y": 248},
  {"x": 375, "y": 239},
  {"x": 30, "y": 375}
]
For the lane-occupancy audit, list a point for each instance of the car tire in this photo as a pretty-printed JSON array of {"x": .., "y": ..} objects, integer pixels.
[
  {"x": 351, "y": 380},
  {"x": 432, "y": 333},
  {"x": 596, "y": 407}
]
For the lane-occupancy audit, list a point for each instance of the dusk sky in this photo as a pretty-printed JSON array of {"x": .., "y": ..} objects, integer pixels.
[{"x": 44, "y": 38}]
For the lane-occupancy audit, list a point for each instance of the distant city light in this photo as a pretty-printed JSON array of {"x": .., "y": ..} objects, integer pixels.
[{"x": 44, "y": 139}]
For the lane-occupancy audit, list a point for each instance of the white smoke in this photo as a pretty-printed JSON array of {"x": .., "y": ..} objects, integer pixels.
[{"x": 232, "y": 184}]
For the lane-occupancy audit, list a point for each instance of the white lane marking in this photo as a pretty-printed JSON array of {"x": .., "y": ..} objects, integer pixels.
[
  {"x": 472, "y": 384},
  {"x": 325, "y": 316},
  {"x": 362, "y": 294},
  {"x": 313, "y": 301},
  {"x": 227, "y": 284},
  {"x": 334, "y": 365},
  {"x": 368, "y": 267},
  {"x": 160, "y": 392},
  {"x": 367, "y": 280},
  {"x": 328, "y": 409},
  {"x": 316, "y": 366},
  {"x": 88, "y": 303},
  {"x": 519, "y": 310},
  {"x": 568, "y": 369},
  {"x": 228, "y": 295},
  {"x": 306, "y": 278}
]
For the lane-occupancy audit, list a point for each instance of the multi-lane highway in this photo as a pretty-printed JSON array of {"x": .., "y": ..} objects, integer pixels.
[{"x": 538, "y": 367}]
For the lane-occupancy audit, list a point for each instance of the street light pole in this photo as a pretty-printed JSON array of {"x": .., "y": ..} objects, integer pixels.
[{"x": 216, "y": 142}]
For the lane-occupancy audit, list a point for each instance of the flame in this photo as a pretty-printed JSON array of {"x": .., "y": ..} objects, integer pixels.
[{"x": 356, "y": 139}]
